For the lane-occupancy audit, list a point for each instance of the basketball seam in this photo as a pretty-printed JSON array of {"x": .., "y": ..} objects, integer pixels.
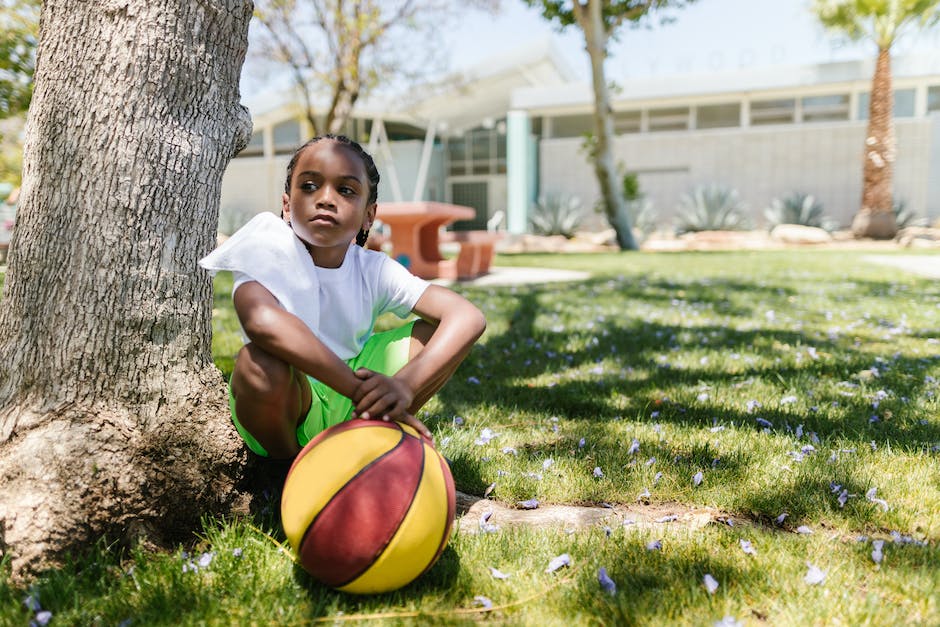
[
  {"x": 310, "y": 526},
  {"x": 411, "y": 503}
]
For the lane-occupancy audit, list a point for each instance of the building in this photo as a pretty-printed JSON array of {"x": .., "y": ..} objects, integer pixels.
[{"x": 500, "y": 137}]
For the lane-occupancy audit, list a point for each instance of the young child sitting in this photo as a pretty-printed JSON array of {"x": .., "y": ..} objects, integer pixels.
[{"x": 307, "y": 298}]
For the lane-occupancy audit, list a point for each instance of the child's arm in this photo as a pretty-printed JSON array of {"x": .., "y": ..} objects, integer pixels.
[
  {"x": 284, "y": 335},
  {"x": 458, "y": 325}
]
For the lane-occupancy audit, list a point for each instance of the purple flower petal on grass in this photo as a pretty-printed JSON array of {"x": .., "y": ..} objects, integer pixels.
[
  {"x": 644, "y": 495},
  {"x": 728, "y": 621},
  {"x": 205, "y": 559},
  {"x": 814, "y": 574},
  {"x": 581, "y": 443},
  {"x": 804, "y": 530},
  {"x": 654, "y": 545},
  {"x": 779, "y": 519},
  {"x": 558, "y": 562},
  {"x": 484, "y": 601},
  {"x": 710, "y": 583},
  {"x": 548, "y": 463},
  {"x": 237, "y": 553},
  {"x": 877, "y": 551},
  {"x": 485, "y": 525},
  {"x": 697, "y": 479},
  {"x": 634, "y": 447},
  {"x": 498, "y": 574},
  {"x": 42, "y": 618},
  {"x": 529, "y": 504},
  {"x": 598, "y": 473},
  {"x": 32, "y": 602},
  {"x": 764, "y": 423},
  {"x": 473, "y": 380},
  {"x": 665, "y": 519},
  {"x": 870, "y": 495},
  {"x": 747, "y": 547},
  {"x": 606, "y": 582},
  {"x": 843, "y": 497},
  {"x": 489, "y": 489}
]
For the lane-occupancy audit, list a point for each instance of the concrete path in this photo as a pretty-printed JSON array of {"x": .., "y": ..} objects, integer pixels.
[
  {"x": 521, "y": 276},
  {"x": 923, "y": 265}
]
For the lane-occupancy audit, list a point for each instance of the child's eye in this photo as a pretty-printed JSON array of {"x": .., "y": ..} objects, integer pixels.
[
  {"x": 308, "y": 186},
  {"x": 346, "y": 191}
]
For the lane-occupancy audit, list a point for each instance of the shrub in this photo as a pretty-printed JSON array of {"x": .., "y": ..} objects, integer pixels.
[
  {"x": 711, "y": 208},
  {"x": 798, "y": 208},
  {"x": 557, "y": 214},
  {"x": 905, "y": 217}
]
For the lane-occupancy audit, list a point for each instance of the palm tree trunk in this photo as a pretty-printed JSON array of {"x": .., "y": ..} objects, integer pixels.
[
  {"x": 876, "y": 217},
  {"x": 595, "y": 37}
]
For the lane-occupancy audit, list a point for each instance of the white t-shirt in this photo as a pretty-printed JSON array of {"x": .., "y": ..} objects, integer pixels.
[{"x": 351, "y": 297}]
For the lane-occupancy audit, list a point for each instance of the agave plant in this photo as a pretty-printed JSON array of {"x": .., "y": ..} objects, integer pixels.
[
  {"x": 798, "y": 208},
  {"x": 644, "y": 215},
  {"x": 905, "y": 217},
  {"x": 557, "y": 214},
  {"x": 711, "y": 208}
]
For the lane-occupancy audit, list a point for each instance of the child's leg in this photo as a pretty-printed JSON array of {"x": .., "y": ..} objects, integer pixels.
[
  {"x": 271, "y": 398},
  {"x": 420, "y": 335}
]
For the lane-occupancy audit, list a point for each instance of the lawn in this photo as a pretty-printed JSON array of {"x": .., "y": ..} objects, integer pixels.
[{"x": 795, "y": 393}]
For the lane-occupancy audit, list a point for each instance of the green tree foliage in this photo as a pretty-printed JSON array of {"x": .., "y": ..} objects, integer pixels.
[
  {"x": 19, "y": 26},
  {"x": 882, "y": 22},
  {"x": 600, "y": 21}
]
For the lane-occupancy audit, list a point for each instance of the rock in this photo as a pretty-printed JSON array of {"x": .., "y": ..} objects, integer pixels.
[
  {"x": 874, "y": 224},
  {"x": 799, "y": 234},
  {"x": 919, "y": 237}
]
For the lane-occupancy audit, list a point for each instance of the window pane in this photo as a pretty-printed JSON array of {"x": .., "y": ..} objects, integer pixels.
[
  {"x": 255, "y": 146},
  {"x": 572, "y": 125},
  {"x": 287, "y": 135},
  {"x": 826, "y": 108},
  {"x": 773, "y": 111},
  {"x": 933, "y": 98},
  {"x": 626, "y": 122},
  {"x": 671, "y": 119},
  {"x": 903, "y": 104},
  {"x": 718, "y": 116}
]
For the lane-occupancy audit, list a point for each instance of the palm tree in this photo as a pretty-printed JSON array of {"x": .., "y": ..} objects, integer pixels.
[{"x": 882, "y": 22}]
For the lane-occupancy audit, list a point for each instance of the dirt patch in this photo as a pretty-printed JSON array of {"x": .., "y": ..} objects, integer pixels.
[{"x": 471, "y": 510}]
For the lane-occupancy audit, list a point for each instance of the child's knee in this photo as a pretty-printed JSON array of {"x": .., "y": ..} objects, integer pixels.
[{"x": 260, "y": 373}]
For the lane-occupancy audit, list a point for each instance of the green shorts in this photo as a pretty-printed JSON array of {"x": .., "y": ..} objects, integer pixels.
[{"x": 384, "y": 352}]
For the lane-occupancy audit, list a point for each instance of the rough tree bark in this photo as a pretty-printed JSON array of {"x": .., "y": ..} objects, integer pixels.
[
  {"x": 113, "y": 419},
  {"x": 876, "y": 217}
]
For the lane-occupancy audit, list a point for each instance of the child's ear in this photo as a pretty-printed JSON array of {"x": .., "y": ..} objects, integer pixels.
[
  {"x": 369, "y": 218},
  {"x": 285, "y": 207}
]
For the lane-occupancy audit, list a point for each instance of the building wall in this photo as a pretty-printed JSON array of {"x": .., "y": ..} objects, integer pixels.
[{"x": 823, "y": 159}]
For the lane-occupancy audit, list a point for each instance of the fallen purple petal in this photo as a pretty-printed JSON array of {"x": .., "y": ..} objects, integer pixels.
[
  {"x": 779, "y": 519},
  {"x": 843, "y": 498},
  {"x": 710, "y": 583},
  {"x": 606, "y": 582},
  {"x": 747, "y": 547},
  {"x": 508, "y": 450},
  {"x": 548, "y": 463},
  {"x": 697, "y": 479},
  {"x": 634, "y": 447},
  {"x": 484, "y": 601},
  {"x": 665, "y": 519},
  {"x": 764, "y": 423},
  {"x": 728, "y": 621},
  {"x": 498, "y": 574},
  {"x": 870, "y": 495},
  {"x": 642, "y": 496},
  {"x": 654, "y": 545},
  {"x": 598, "y": 473},
  {"x": 485, "y": 525},
  {"x": 529, "y": 504},
  {"x": 558, "y": 562},
  {"x": 814, "y": 575},
  {"x": 205, "y": 559},
  {"x": 804, "y": 530},
  {"x": 42, "y": 618},
  {"x": 581, "y": 443},
  {"x": 877, "y": 551},
  {"x": 32, "y": 602},
  {"x": 489, "y": 489},
  {"x": 473, "y": 380}
]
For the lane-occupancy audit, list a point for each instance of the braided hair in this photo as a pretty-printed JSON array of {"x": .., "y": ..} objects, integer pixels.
[{"x": 371, "y": 171}]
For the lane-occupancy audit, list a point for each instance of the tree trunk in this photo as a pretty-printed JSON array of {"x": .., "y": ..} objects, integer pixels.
[
  {"x": 876, "y": 217},
  {"x": 595, "y": 36},
  {"x": 113, "y": 419}
]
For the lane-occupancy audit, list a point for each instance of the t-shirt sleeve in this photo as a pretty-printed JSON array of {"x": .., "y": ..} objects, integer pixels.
[{"x": 399, "y": 289}]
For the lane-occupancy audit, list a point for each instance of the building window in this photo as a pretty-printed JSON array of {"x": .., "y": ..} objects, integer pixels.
[
  {"x": 718, "y": 116},
  {"x": 572, "y": 125},
  {"x": 933, "y": 98},
  {"x": 903, "y": 104},
  {"x": 826, "y": 108},
  {"x": 286, "y": 136},
  {"x": 669, "y": 119},
  {"x": 255, "y": 147},
  {"x": 779, "y": 111},
  {"x": 479, "y": 151},
  {"x": 457, "y": 156},
  {"x": 627, "y": 122}
]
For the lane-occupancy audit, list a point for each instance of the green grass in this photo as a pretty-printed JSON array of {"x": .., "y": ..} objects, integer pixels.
[{"x": 683, "y": 353}]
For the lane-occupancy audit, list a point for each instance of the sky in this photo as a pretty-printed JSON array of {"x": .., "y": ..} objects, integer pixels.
[{"x": 708, "y": 36}]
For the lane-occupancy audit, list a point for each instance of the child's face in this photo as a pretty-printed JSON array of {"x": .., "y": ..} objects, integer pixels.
[{"x": 328, "y": 201}]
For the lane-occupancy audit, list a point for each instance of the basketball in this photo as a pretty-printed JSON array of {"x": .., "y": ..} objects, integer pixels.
[{"x": 368, "y": 506}]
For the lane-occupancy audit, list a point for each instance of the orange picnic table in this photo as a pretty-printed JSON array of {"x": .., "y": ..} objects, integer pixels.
[{"x": 415, "y": 237}]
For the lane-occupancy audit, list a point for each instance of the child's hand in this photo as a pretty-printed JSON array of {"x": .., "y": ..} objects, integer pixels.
[{"x": 378, "y": 396}]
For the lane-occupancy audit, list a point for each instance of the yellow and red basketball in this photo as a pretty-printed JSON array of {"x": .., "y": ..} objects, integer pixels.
[{"x": 368, "y": 506}]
